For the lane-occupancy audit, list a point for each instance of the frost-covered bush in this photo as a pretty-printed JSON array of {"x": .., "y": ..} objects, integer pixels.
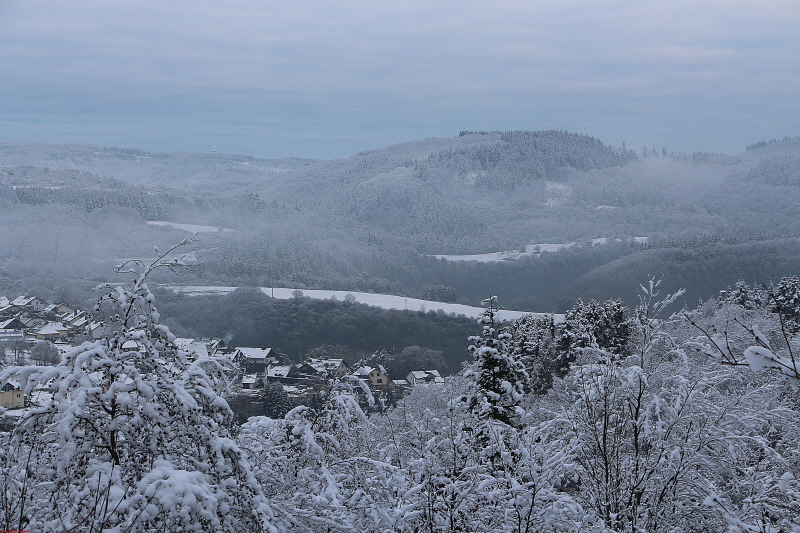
[
  {"x": 756, "y": 487},
  {"x": 316, "y": 468}
]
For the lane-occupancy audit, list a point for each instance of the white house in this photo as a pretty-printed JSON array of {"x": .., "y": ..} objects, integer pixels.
[
  {"x": 254, "y": 359},
  {"x": 52, "y": 331},
  {"x": 330, "y": 368},
  {"x": 31, "y": 303},
  {"x": 193, "y": 349},
  {"x": 416, "y": 377}
]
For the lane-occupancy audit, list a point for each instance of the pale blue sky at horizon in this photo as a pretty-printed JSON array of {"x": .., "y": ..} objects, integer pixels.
[{"x": 329, "y": 79}]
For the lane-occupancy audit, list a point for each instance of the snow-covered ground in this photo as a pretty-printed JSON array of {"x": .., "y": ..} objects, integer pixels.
[
  {"x": 511, "y": 255},
  {"x": 193, "y": 228},
  {"x": 529, "y": 250},
  {"x": 384, "y": 301}
]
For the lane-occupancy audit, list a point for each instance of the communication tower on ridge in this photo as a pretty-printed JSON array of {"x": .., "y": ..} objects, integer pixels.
[{"x": 213, "y": 147}]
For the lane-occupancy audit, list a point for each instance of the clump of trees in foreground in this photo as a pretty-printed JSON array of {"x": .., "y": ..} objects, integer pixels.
[{"x": 616, "y": 420}]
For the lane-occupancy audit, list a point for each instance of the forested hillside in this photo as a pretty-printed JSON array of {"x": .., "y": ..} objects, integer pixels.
[{"x": 368, "y": 222}]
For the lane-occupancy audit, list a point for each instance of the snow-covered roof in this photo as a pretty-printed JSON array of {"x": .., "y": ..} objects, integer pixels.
[
  {"x": 256, "y": 353},
  {"x": 249, "y": 379},
  {"x": 52, "y": 328},
  {"x": 328, "y": 363},
  {"x": 429, "y": 376},
  {"x": 363, "y": 371},
  {"x": 295, "y": 390},
  {"x": 192, "y": 346},
  {"x": 278, "y": 371},
  {"x": 400, "y": 382},
  {"x": 324, "y": 365},
  {"x": 11, "y": 384},
  {"x": 130, "y": 344},
  {"x": 4, "y": 301},
  {"x": 23, "y": 301},
  {"x": 6, "y": 334}
]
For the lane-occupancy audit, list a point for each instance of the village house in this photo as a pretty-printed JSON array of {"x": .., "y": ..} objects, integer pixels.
[
  {"x": 12, "y": 397},
  {"x": 278, "y": 373},
  {"x": 400, "y": 386},
  {"x": 52, "y": 331},
  {"x": 75, "y": 320},
  {"x": 11, "y": 335},
  {"x": 30, "y": 303},
  {"x": 417, "y": 377},
  {"x": 12, "y": 323},
  {"x": 375, "y": 377},
  {"x": 10, "y": 311},
  {"x": 214, "y": 346},
  {"x": 192, "y": 349},
  {"x": 328, "y": 368},
  {"x": 130, "y": 345},
  {"x": 379, "y": 377},
  {"x": 32, "y": 322},
  {"x": 250, "y": 381},
  {"x": 254, "y": 360},
  {"x": 95, "y": 330},
  {"x": 56, "y": 312}
]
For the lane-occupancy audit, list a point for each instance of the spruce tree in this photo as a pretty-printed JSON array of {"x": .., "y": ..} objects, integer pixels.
[{"x": 497, "y": 379}]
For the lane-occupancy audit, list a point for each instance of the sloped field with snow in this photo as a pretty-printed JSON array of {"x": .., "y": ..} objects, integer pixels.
[
  {"x": 193, "y": 228},
  {"x": 383, "y": 301},
  {"x": 531, "y": 249}
]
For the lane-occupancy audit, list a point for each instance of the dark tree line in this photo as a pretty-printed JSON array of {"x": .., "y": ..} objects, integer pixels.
[{"x": 247, "y": 317}]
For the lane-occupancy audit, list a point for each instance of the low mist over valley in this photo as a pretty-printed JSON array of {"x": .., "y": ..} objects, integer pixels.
[{"x": 576, "y": 218}]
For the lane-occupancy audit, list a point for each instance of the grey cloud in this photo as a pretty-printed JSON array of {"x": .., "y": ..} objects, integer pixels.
[{"x": 357, "y": 73}]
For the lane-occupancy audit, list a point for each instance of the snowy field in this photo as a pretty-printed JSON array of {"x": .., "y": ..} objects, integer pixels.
[
  {"x": 531, "y": 249},
  {"x": 193, "y": 228},
  {"x": 512, "y": 255},
  {"x": 384, "y": 301}
]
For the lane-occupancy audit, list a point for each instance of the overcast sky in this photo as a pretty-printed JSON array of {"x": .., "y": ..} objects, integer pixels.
[{"x": 327, "y": 79}]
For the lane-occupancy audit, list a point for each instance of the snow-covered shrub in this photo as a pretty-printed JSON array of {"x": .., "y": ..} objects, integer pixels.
[
  {"x": 132, "y": 439},
  {"x": 316, "y": 469}
]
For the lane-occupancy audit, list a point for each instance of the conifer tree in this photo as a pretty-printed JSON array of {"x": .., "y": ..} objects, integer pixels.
[
  {"x": 786, "y": 301},
  {"x": 497, "y": 380}
]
